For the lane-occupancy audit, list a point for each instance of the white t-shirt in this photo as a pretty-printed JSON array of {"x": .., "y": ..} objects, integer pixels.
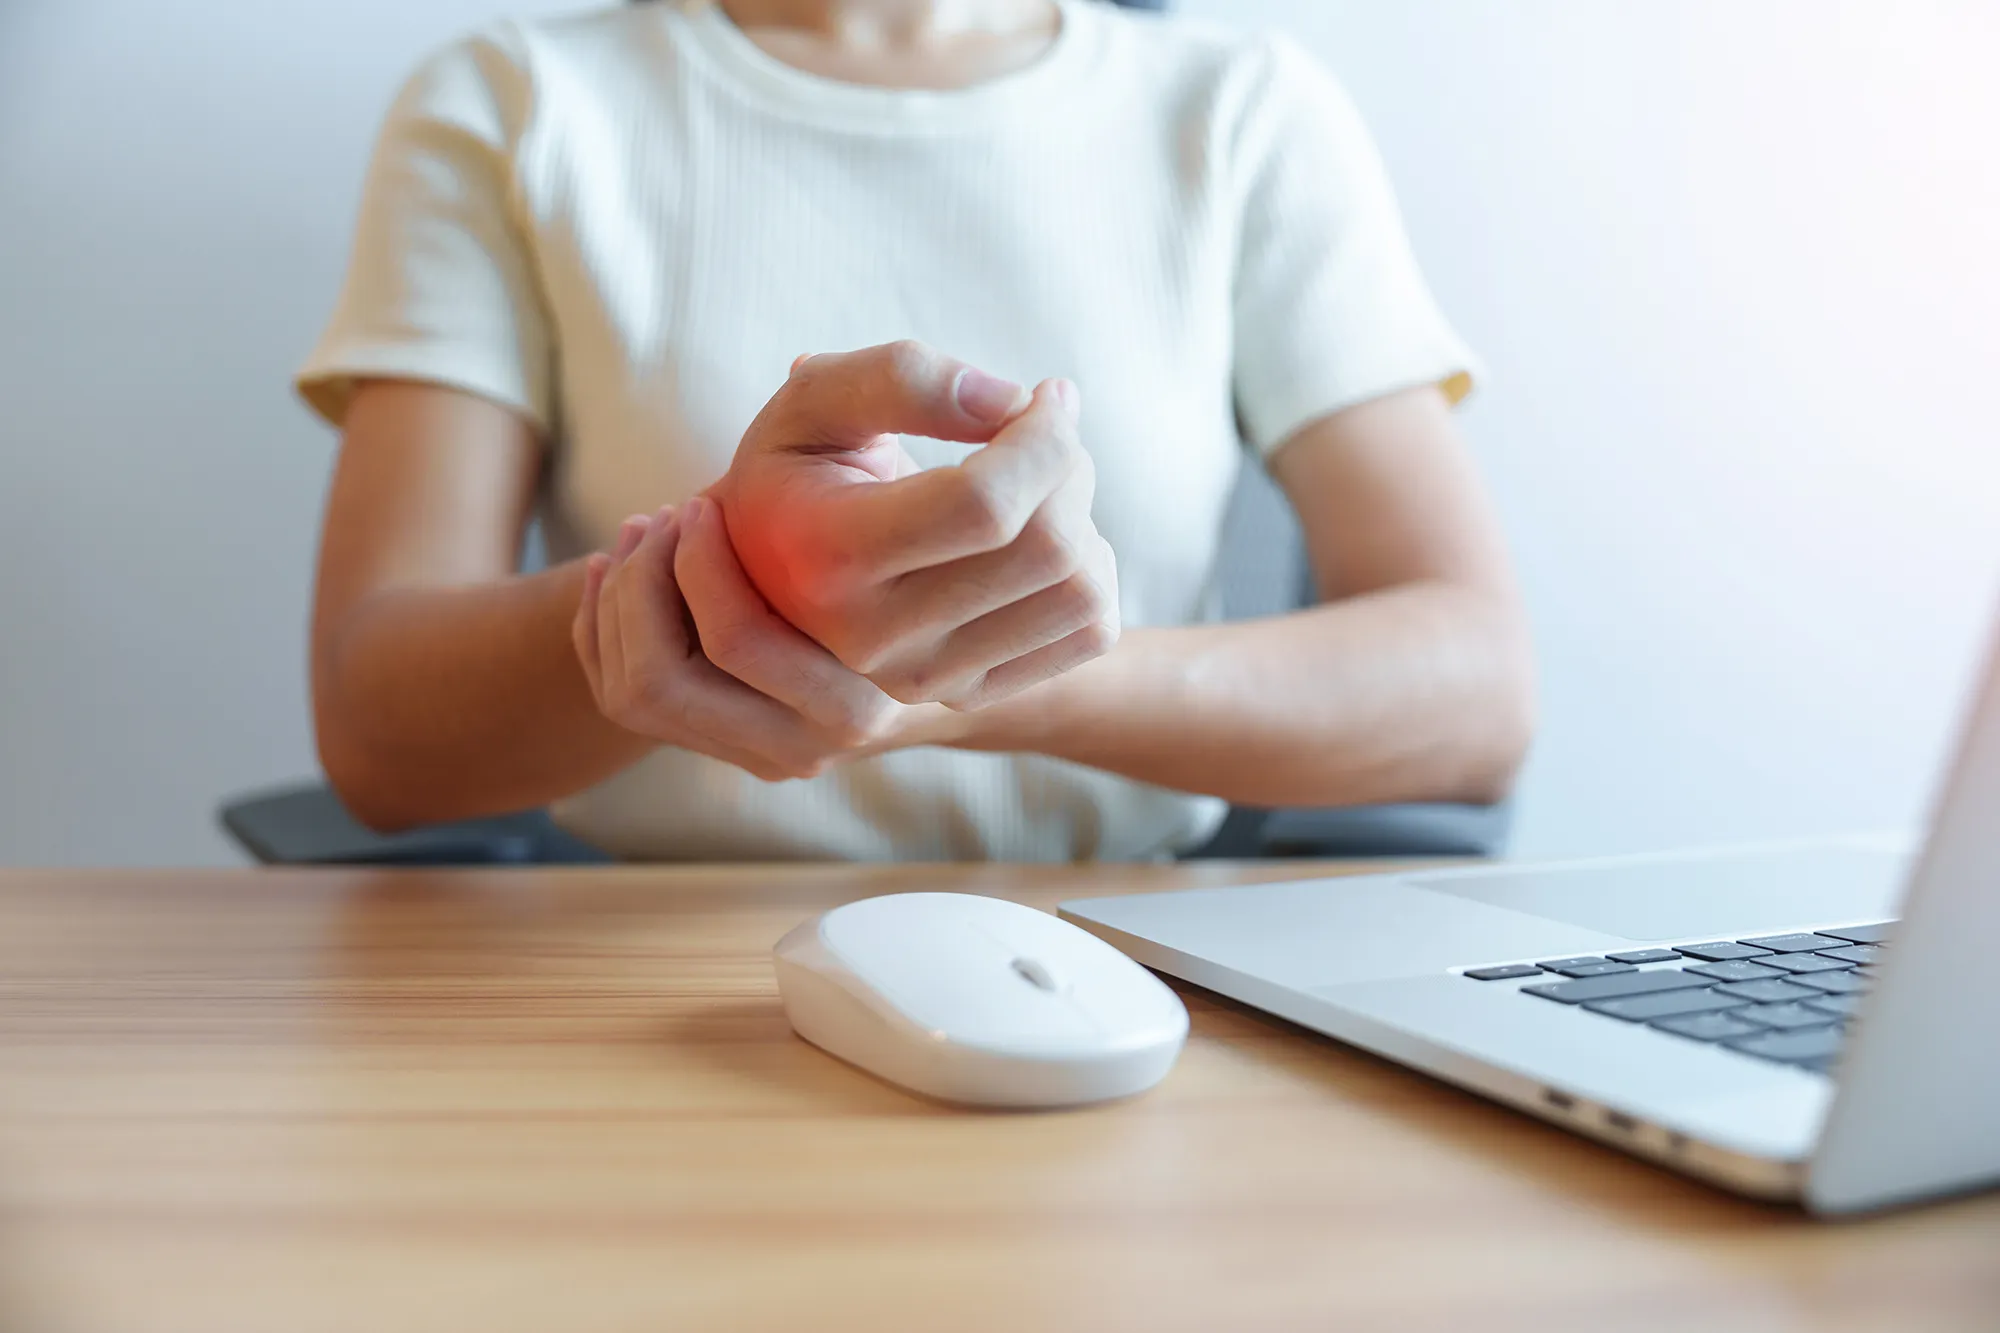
[{"x": 625, "y": 225}]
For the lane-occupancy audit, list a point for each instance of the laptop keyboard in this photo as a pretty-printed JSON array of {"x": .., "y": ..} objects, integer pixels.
[{"x": 1783, "y": 998}]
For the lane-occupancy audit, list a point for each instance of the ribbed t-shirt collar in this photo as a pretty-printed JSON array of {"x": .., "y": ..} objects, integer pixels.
[{"x": 706, "y": 32}]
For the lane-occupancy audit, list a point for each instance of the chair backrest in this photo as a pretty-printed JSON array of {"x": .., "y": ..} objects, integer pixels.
[{"x": 1261, "y": 568}]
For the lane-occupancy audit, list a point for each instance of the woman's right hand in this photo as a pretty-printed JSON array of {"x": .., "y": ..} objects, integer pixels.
[
  {"x": 962, "y": 585},
  {"x": 747, "y": 688}
]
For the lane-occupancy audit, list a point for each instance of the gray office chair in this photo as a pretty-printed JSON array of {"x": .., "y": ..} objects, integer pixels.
[{"x": 1262, "y": 573}]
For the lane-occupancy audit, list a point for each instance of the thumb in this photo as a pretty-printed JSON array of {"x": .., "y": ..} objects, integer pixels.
[{"x": 848, "y": 400}]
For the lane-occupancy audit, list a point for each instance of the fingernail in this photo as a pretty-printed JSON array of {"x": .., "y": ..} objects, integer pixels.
[
  {"x": 1072, "y": 397},
  {"x": 661, "y": 517},
  {"x": 630, "y": 534},
  {"x": 691, "y": 511},
  {"x": 987, "y": 398}
]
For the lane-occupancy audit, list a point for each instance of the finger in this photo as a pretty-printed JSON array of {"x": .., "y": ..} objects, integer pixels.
[
  {"x": 610, "y": 644},
  {"x": 652, "y": 635},
  {"x": 722, "y": 711},
  {"x": 583, "y": 627},
  {"x": 610, "y": 651},
  {"x": 681, "y": 682},
  {"x": 659, "y": 648},
  {"x": 846, "y": 400},
  {"x": 743, "y": 636},
  {"x": 1023, "y": 673},
  {"x": 969, "y": 655},
  {"x": 925, "y": 603},
  {"x": 949, "y": 513},
  {"x": 630, "y": 533}
]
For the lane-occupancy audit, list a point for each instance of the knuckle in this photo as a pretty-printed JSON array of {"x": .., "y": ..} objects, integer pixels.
[
  {"x": 1046, "y": 553},
  {"x": 977, "y": 694},
  {"x": 978, "y": 512},
  {"x": 907, "y": 361},
  {"x": 1100, "y": 565},
  {"x": 1096, "y": 639},
  {"x": 727, "y": 643},
  {"x": 846, "y": 733},
  {"x": 1082, "y": 478},
  {"x": 1066, "y": 447},
  {"x": 853, "y": 725},
  {"x": 1083, "y": 602},
  {"x": 864, "y": 657}
]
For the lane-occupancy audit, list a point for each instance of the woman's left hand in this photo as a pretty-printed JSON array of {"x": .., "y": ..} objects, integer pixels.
[{"x": 679, "y": 647}]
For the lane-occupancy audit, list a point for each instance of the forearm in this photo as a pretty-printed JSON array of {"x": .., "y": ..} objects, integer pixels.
[
  {"x": 435, "y": 704},
  {"x": 1419, "y": 692}
]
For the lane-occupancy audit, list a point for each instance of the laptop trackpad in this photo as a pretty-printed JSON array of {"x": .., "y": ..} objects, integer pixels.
[{"x": 1735, "y": 893}]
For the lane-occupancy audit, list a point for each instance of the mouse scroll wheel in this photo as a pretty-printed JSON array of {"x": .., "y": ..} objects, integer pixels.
[{"x": 1036, "y": 971}]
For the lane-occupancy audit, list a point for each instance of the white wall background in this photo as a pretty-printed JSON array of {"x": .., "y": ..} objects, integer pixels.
[{"x": 1733, "y": 263}]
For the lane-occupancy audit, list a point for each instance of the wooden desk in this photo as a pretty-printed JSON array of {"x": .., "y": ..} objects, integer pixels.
[{"x": 568, "y": 1102}]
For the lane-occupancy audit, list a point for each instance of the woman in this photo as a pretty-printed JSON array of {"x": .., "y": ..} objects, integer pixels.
[{"x": 590, "y": 254}]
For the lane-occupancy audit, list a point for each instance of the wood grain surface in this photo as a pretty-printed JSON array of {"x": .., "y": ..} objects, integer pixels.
[{"x": 370, "y": 1102}]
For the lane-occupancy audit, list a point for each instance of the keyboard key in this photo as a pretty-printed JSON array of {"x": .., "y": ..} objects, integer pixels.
[
  {"x": 1836, "y": 983},
  {"x": 1720, "y": 952},
  {"x": 1707, "y": 1027},
  {"x": 1767, "y": 992},
  {"x": 1557, "y": 964},
  {"x": 1596, "y": 969},
  {"x": 1736, "y": 969},
  {"x": 1799, "y": 963},
  {"x": 1811, "y": 1047},
  {"x": 1665, "y": 1004},
  {"x": 1789, "y": 943},
  {"x": 1645, "y": 956},
  {"x": 1875, "y": 934},
  {"x": 1503, "y": 973},
  {"x": 1855, "y": 953},
  {"x": 1782, "y": 1015},
  {"x": 1627, "y": 983},
  {"x": 1842, "y": 1006}
]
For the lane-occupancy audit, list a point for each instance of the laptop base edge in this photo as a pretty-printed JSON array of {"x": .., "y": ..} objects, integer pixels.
[{"x": 1768, "y": 1180}]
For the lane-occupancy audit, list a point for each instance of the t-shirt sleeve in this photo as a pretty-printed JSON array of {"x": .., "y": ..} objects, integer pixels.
[
  {"x": 1330, "y": 307},
  {"x": 441, "y": 285}
]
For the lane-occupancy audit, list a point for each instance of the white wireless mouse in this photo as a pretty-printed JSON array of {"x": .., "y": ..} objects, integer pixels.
[{"x": 978, "y": 1000}]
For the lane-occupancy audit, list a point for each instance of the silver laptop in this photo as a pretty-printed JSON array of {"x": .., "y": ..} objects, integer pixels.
[{"x": 1813, "y": 1022}]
